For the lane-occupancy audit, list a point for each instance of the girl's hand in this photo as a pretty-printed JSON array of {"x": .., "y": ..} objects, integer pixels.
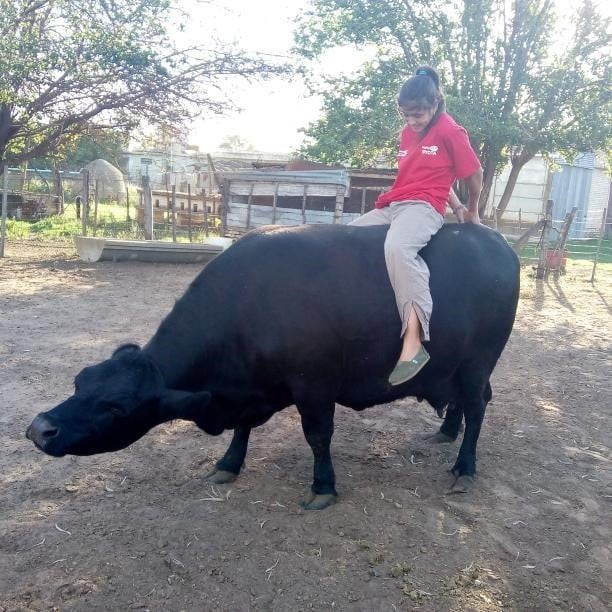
[
  {"x": 471, "y": 216},
  {"x": 460, "y": 213}
]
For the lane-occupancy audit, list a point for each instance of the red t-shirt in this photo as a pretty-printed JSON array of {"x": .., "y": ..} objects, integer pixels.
[{"x": 427, "y": 168}]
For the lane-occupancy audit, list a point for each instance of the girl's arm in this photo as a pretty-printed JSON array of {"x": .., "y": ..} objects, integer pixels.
[
  {"x": 456, "y": 206},
  {"x": 474, "y": 185}
]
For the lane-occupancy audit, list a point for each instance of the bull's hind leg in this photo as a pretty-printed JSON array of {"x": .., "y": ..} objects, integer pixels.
[
  {"x": 229, "y": 466},
  {"x": 475, "y": 394},
  {"x": 318, "y": 426},
  {"x": 449, "y": 430}
]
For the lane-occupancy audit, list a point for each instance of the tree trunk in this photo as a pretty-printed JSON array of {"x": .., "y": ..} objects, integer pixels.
[
  {"x": 24, "y": 177},
  {"x": 517, "y": 165},
  {"x": 487, "y": 184},
  {"x": 491, "y": 159}
]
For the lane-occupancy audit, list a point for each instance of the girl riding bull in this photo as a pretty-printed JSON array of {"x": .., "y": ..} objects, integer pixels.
[{"x": 434, "y": 152}]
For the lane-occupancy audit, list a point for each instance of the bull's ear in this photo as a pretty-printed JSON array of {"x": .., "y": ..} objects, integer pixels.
[
  {"x": 184, "y": 405},
  {"x": 125, "y": 348}
]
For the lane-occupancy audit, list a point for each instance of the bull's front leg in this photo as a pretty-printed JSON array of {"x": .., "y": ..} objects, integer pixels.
[
  {"x": 229, "y": 466},
  {"x": 318, "y": 427}
]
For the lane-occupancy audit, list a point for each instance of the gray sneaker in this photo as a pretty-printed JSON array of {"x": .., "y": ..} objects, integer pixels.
[{"x": 405, "y": 370}]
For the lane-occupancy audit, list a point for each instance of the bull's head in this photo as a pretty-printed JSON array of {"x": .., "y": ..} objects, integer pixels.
[{"x": 114, "y": 404}]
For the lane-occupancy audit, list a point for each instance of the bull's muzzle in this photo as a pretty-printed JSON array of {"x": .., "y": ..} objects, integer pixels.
[{"x": 41, "y": 431}]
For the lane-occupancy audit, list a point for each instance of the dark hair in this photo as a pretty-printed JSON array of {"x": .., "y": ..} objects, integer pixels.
[{"x": 423, "y": 91}]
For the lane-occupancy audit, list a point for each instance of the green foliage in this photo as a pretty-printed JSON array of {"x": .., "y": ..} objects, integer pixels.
[
  {"x": 112, "y": 222},
  {"x": 506, "y": 80},
  {"x": 235, "y": 142},
  {"x": 357, "y": 129},
  {"x": 55, "y": 227},
  {"x": 68, "y": 64},
  {"x": 584, "y": 250}
]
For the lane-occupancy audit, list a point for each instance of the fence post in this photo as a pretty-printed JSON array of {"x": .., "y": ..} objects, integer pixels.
[
  {"x": 541, "y": 269},
  {"x": 340, "y": 189},
  {"x": 562, "y": 241},
  {"x": 304, "y": 196},
  {"x": 96, "y": 196},
  {"x": 602, "y": 231},
  {"x": 147, "y": 209},
  {"x": 173, "y": 213},
  {"x": 189, "y": 210},
  {"x": 85, "y": 202},
  {"x": 225, "y": 198},
  {"x": 274, "y": 202},
  {"x": 205, "y": 210},
  {"x": 127, "y": 197},
  {"x": 4, "y": 207},
  {"x": 249, "y": 202}
]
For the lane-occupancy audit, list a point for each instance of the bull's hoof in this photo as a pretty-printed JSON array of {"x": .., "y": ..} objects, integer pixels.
[
  {"x": 437, "y": 438},
  {"x": 318, "y": 502},
  {"x": 218, "y": 476},
  {"x": 462, "y": 484}
]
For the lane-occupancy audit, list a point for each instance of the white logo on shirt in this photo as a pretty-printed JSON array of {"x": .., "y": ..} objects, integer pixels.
[
  {"x": 402, "y": 153},
  {"x": 429, "y": 150}
]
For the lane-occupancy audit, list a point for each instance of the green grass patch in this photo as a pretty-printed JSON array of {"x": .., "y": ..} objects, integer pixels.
[
  {"x": 578, "y": 250},
  {"x": 111, "y": 222}
]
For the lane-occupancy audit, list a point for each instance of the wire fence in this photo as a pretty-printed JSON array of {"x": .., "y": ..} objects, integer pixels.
[
  {"x": 550, "y": 243},
  {"x": 116, "y": 210}
]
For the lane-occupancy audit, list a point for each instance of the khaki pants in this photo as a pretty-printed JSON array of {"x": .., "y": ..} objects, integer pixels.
[{"x": 413, "y": 223}]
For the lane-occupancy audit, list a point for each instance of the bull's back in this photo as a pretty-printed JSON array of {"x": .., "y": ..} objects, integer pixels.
[{"x": 316, "y": 300}]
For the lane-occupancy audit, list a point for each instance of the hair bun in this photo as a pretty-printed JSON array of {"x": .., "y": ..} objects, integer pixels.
[{"x": 430, "y": 72}]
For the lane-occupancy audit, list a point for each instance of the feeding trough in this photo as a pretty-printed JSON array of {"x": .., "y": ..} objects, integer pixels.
[{"x": 105, "y": 249}]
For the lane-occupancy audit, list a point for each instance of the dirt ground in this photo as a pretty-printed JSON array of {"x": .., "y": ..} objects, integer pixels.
[{"x": 141, "y": 529}]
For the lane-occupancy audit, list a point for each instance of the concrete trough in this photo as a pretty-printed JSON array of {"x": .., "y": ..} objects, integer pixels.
[{"x": 106, "y": 249}]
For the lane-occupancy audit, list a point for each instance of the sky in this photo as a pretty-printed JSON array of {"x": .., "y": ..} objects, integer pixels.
[{"x": 272, "y": 112}]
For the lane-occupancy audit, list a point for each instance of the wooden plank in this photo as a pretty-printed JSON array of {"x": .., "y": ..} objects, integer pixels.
[
  {"x": 205, "y": 211},
  {"x": 243, "y": 188},
  {"x": 339, "y": 208},
  {"x": 562, "y": 241},
  {"x": 541, "y": 269},
  {"x": 96, "y": 200},
  {"x": 304, "y": 197},
  {"x": 249, "y": 202},
  {"x": 274, "y": 202},
  {"x": 173, "y": 213},
  {"x": 85, "y": 211},
  {"x": 225, "y": 199},
  {"x": 147, "y": 207},
  {"x": 189, "y": 210},
  {"x": 260, "y": 215}
]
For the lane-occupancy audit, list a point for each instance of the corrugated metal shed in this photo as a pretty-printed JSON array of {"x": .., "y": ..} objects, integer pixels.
[{"x": 583, "y": 184}]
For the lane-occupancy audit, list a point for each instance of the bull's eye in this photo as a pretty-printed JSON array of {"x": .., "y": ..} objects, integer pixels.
[{"x": 115, "y": 409}]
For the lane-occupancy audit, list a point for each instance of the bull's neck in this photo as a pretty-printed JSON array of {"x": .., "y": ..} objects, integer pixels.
[{"x": 182, "y": 343}]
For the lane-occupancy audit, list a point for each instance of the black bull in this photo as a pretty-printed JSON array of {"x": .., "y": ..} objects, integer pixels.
[{"x": 303, "y": 316}]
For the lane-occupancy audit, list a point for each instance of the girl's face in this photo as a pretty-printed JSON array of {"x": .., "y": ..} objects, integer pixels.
[{"x": 417, "y": 118}]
